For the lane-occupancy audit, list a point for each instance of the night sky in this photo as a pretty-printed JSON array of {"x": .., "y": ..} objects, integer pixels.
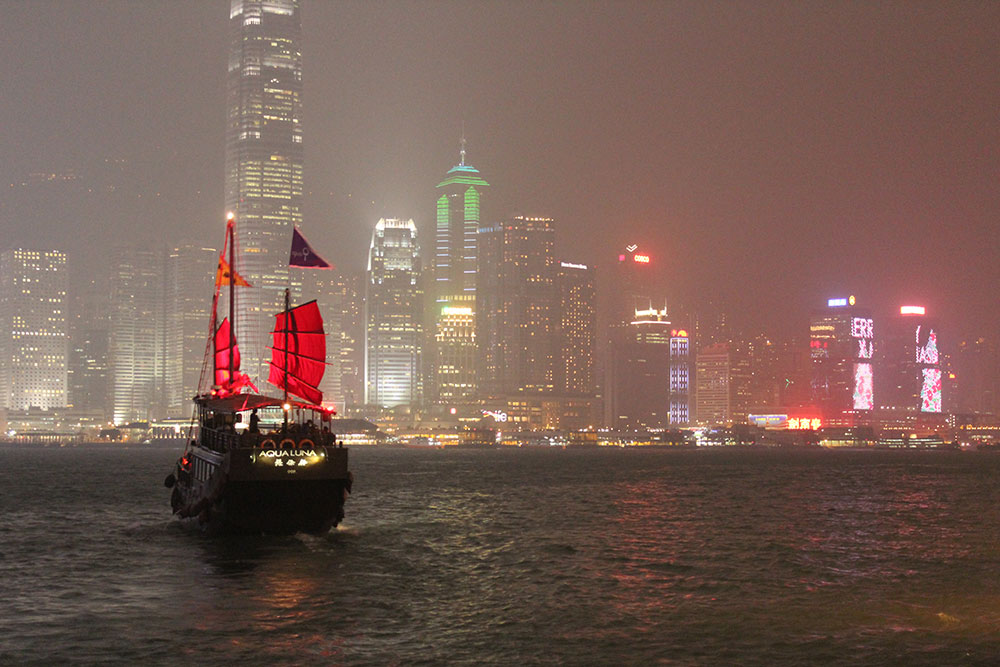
[{"x": 768, "y": 155}]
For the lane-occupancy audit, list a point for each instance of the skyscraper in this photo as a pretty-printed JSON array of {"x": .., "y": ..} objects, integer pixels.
[
  {"x": 639, "y": 375},
  {"x": 680, "y": 378},
  {"x": 190, "y": 275},
  {"x": 453, "y": 280},
  {"x": 576, "y": 330},
  {"x": 841, "y": 346},
  {"x": 393, "y": 309},
  {"x": 518, "y": 307},
  {"x": 723, "y": 384},
  {"x": 264, "y": 159},
  {"x": 33, "y": 342},
  {"x": 136, "y": 344},
  {"x": 910, "y": 368}
]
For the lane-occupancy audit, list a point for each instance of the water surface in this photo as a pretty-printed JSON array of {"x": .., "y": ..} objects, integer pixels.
[{"x": 505, "y": 557}]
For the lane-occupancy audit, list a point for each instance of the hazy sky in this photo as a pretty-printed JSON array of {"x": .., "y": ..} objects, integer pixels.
[{"x": 768, "y": 154}]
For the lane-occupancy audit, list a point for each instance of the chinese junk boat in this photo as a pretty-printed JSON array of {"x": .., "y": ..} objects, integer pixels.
[{"x": 239, "y": 475}]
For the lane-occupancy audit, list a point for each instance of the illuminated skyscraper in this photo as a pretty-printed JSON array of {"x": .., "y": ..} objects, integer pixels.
[
  {"x": 841, "y": 346},
  {"x": 263, "y": 160},
  {"x": 576, "y": 330},
  {"x": 910, "y": 363},
  {"x": 723, "y": 384},
  {"x": 680, "y": 378},
  {"x": 518, "y": 308},
  {"x": 136, "y": 344},
  {"x": 393, "y": 309},
  {"x": 33, "y": 342},
  {"x": 455, "y": 344},
  {"x": 713, "y": 396},
  {"x": 189, "y": 285},
  {"x": 453, "y": 279},
  {"x": 639, "y": 373}
]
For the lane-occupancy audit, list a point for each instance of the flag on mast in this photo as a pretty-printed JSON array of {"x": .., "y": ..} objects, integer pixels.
[
  {"x": 303, "y": 255},
  {"x": 225, "y": 276}
]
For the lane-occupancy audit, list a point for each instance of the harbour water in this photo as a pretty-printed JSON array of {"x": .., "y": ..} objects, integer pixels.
[{"x": 510, "y": 557}]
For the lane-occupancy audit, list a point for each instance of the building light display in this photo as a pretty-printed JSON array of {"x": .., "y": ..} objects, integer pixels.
[
  {"x": 784, "y": 421},
  {"x": 679, "y": 412},
  {"x": 679, "y": 379},
  {"x": 927, "y": 353},
  {"x": 930, "y": 393},
  {"x": 767, "y": 420},
  {"x": 864, "y": 381},
  {"x": 862, "y": 327},
  {"x": 863, "y": 330},
  {"x": 927, "y": 356}
]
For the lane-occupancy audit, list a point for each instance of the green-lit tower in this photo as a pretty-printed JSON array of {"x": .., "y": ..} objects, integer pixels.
[{"x": 453, "y": 283}]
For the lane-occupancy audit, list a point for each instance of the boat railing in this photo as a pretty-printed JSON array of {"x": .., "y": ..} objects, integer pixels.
[
  {"x": 300, "y": 438},
  {"x": 219, "y": 440},
  {"x": 222, "y": 440}
]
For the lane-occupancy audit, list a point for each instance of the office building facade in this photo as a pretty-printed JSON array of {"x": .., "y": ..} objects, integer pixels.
[
  {"x": 264, "y": 161},
  {"x": 33, "y": 329},
  {"x": 393, "y": 315},
  {"x": 453, "y": 282}
]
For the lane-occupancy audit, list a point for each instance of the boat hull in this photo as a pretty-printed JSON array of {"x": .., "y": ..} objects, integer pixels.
[
  {"x": 278, "y": 507},
  {"x": 279, "y": 490}
]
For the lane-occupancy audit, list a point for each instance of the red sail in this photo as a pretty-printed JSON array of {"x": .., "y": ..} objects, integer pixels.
[
  {"x": 222, "y": 379},
  {"x": 222, "y": 336},
  {"x": 298, "y": 355}
]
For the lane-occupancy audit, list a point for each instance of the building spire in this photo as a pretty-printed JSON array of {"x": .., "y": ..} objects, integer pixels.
[{"x": 461, "y": 153}]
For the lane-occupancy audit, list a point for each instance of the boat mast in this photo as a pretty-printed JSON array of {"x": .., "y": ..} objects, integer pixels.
[
  {"x": 232, "y": 292},
  {"x": 285, "y": 383}
]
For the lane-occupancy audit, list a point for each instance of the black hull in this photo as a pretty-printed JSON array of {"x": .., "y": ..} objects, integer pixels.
[
  {"x": 250, "y": 490},
  {"x": 277, "y": 508}
]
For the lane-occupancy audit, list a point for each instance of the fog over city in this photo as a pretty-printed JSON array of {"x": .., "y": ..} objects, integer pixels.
[{"x": 767, "y": 155}]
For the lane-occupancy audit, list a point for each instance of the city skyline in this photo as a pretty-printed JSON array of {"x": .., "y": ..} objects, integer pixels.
[{"x": 842, "y": 151}]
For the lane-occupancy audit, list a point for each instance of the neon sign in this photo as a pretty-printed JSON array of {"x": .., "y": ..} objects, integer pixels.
[
  {"x": 631, "y": 247},
  {"x": 497, "y": 415},
  {"x": 287, "y": 458},
  {"x": 641, "y": 259},
  {"x": 912, "y": 310},
  {"x": 804, "y": 423},
  {"x": 862, "y": 327},
  {"x": 836, "y": 303}
]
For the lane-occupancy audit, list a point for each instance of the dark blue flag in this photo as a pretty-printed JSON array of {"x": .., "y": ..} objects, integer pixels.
[{"x": 303, "y": 255}]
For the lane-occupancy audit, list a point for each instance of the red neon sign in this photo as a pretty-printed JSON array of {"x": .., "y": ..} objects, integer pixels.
[{"x": 641, "y": 259}]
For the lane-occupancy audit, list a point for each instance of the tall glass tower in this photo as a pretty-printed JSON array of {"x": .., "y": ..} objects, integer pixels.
[
  {"x": 453, "y": 282},
  {"x": 263, "y": 160},
  {"x": 393, "y": 299}
]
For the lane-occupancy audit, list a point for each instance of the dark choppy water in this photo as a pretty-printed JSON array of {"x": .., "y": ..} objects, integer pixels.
[{"x": 507, "y": 557}]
